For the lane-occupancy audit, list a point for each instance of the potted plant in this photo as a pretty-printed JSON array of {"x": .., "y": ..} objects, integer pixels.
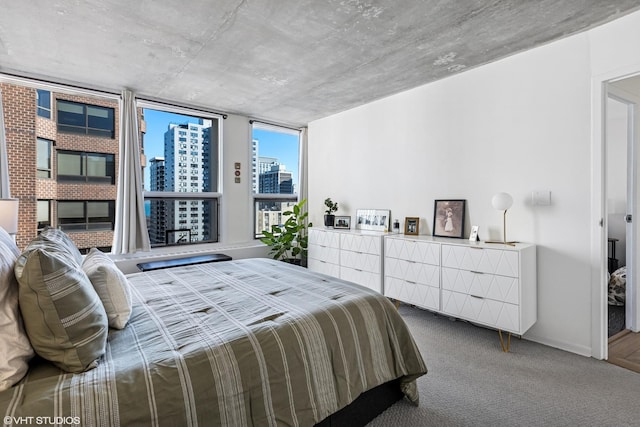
[
  {"x": 329, "y": 217},
  {"x": 288, "y": 241}
]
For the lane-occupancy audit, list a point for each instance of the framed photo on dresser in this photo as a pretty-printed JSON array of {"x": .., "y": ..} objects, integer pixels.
[
  {"x": 448, "y": 218},
  {"x": 372, "y": 219}
]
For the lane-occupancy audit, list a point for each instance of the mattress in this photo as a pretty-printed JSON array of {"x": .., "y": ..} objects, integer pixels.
[{"x": 244, "y": 342}]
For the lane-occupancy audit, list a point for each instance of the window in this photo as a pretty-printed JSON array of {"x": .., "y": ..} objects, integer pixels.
[
  {"x": 169, "y": 185},
  {"x": 81, "y": 215},
  {"x": 275, "y": 173},
  {"x": 76, "y": 166},
  {"x": 74, "y": 117},
  {"x": 44, "y": 157},
  {"x": 43, "y": 213},
  {"x": 44, "y": 103}
]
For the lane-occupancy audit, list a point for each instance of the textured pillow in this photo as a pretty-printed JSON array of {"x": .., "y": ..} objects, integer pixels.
[
  {"x": 63, "y": 315},
  {"x": 62, "y": 242},
  {"x": 111, "y": 285},
  {"x": 15, "y": 348}
]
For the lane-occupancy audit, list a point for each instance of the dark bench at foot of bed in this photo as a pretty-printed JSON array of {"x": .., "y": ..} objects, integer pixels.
[{"x": 176, "y": 262}]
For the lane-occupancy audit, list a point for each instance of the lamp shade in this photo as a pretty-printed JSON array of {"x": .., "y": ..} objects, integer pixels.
[
  {"x": 502, "y": 201},
  {"x": 9, "y": 215}
]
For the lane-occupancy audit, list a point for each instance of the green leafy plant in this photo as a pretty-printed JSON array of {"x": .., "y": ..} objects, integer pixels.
[
  {"x": 331, "y": 207},
  {"x": 289, "y": 241}
]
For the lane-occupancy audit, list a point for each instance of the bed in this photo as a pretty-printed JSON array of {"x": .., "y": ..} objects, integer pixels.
[{"x": 245, "y": 342}]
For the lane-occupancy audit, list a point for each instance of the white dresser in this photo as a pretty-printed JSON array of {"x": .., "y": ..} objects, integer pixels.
[
  {"x": 351, "y": 255},
  {"x": 489, "y": 284}
]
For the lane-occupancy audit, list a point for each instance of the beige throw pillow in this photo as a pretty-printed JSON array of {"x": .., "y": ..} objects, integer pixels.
[
  {"x": 15, "y": 348},
  {"x": 111, "y": 285},
  {"x": 63, "y": 315}
]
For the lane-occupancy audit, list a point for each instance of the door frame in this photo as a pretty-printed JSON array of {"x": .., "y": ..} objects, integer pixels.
[{"x": 598, "y": 217}]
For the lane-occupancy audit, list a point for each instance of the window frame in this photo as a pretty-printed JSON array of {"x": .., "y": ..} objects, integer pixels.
[
  {"x": 43, "y": 108},
  {"x": 84, "y": 177},
  {"x": 271, "y": 197},
  {"x": 49, "y": 169},
  {"x": 86, "y": 225},
  {"x": 216, "y": 196},
  {"x": 86, "y": 129}
]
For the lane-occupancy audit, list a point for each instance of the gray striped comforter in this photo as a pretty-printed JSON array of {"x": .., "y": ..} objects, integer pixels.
[{"x": 249, "y": 342}]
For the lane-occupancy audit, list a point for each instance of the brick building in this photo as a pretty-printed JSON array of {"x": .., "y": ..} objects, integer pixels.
[{"x": 63, "y": 162}]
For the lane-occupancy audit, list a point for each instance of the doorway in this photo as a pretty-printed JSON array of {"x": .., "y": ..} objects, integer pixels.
[{"x": 623, "y": 100}]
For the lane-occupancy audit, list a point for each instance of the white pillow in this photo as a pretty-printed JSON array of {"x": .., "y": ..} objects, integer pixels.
[
  {"x": 15, "y": 348},
  {"x": 111, "y": 285}
]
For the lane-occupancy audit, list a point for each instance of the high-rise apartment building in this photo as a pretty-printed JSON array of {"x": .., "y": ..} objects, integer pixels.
[
  {"x": 184, "y": 169},
  {"x": 63, "y": 161},
  {"x": 276, "y": 180},
  {"x": 156, "y": 218}
]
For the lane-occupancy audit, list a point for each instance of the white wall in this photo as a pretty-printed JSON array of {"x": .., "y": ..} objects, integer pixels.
[{"x": 517, "y": 125}]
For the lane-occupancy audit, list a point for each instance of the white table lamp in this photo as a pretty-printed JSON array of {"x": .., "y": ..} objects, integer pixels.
[
  {"x": 502, "y": 202},
  {"x": 9, "y": 215}
]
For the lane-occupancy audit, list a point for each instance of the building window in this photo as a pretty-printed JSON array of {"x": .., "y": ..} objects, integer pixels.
[
  {"x": 76, "y": 166},
  {"x": 44, "y": 103},
  {"x": 43, "y": 213},
  {"x": 44, "y": 157},
  {"x": 74, "y": 117},
  {"x": 86, "y": 215},
  {"x": 167, "y": 183},
  {"x": 275, "y": 173}
]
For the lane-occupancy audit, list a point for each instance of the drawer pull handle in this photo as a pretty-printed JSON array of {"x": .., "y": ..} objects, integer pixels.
[
  {"x": 475, "y": 247},
  {"x": 409, "y": 281},
  {"x": 357, "y": 269},
  {"x": 477, "y": 272},
  {"x": 475, "y": 296}
]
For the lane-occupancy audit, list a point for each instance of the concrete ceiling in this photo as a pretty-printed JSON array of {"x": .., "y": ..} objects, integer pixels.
[{"x": 285, "y": 61}]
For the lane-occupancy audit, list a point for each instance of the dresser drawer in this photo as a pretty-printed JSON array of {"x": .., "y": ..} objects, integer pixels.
[
  {"x": 490, "y": 286},
  {"x": 412, "y": 293},
  {"x": 411, "y": 271},
  {"x": 412, "y": 250},
  {"x": 372, "y": 280},
  {"x": 480, "y": 259},
  {"x": 496, "y": 314},
  {"x": 324, "y": 238},
  {"x": 360, "y": 261},
  {"x": 366, "y": 244},
  {"x": 324, "y": 253},
  {"x": 323, "y": 267}
]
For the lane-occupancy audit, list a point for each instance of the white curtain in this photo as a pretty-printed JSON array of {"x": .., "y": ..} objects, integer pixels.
[
  {"x": 5, "y": 192},
  {"x": 302, "y": 162},
  {"x": 130, "y": 229}
]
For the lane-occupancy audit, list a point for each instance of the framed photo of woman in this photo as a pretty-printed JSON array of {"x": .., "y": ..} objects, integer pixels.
[{"x": 448, "y": 218}]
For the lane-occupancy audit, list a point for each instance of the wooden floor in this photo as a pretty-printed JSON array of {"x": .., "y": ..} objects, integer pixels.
[{"x": 624, "y": 350}]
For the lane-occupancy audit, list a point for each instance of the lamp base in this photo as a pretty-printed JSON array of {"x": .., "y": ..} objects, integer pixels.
[{"x": 500, "y": 242}]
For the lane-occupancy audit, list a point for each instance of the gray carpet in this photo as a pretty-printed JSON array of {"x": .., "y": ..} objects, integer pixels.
[{"x": 471, "y": 382}]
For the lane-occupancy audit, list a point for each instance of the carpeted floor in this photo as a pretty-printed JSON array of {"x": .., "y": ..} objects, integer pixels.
[{"x": 471, "y": 382}]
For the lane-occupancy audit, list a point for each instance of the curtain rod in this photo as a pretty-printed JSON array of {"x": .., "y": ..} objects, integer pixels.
[
  {"x": 61, "y": 87},
  {"x": 252, "y": 121},
  {"x": 65, "y": 87},
  {"x": 188, "y": 107}
]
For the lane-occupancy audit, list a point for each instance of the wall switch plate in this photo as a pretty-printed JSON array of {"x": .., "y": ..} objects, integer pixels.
[{"x": 541, "y": 198}]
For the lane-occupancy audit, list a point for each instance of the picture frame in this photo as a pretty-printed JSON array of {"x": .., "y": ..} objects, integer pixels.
[
  {"x": 343, "y": 222},
  {"x": 373, "y": 219},
  {"x": 411, "y": 226},
  {"x": 448, "y": 218},
  {"x": 473, "y": 236}
]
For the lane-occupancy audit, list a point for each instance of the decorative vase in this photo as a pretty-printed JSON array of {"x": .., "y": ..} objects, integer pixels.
[{"x": 329, "y": 220}]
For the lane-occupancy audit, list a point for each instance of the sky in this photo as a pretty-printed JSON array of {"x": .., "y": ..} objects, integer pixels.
[{"x": 283, "y": 146}]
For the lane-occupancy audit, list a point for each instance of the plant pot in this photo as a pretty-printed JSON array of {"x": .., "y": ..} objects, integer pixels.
[{"x": 329, "y": 220}]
